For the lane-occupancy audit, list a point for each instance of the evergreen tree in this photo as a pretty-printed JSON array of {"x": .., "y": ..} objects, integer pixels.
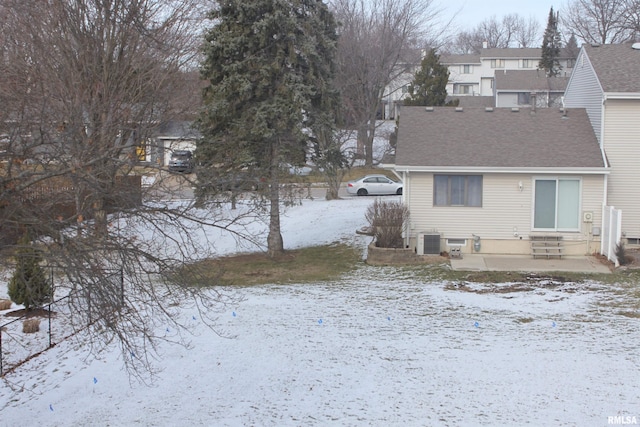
[
  {"x": 268, "y": 64},
  {"x": 429, "y": 86},
  {"x": 571, "y": 48},
  {"x": 28, "y": 285},
  {"x": 551, "y": 44}
]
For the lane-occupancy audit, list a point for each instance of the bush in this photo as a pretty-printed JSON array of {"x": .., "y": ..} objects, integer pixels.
[
  {"x": 28, "y": 285},
  {"x": 31, "y": 326},
  {"x": 621, "y": 254},
  {"x": 387, "y": 221}
]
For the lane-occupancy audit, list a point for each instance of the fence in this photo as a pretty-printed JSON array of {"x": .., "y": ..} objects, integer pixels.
[
  {"x": 55, "y": 198},
  {"x": 611, "y": 232},
  {"x": 17, "y": 347}
]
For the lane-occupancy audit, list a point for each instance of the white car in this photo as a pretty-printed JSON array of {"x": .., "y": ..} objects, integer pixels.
[{"x": 374, "y": 184}]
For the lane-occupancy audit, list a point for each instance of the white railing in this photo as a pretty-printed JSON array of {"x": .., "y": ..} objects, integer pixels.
[{"x": 611, "y": 232}]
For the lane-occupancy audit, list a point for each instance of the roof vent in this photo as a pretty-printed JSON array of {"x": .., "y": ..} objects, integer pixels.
[
  {"x": 459, "y": 110},
  {"x": 430, "y": 109},
  {"x": 635, "y": 46},
  {"x": 489, "y": 109},
  {"x": 515, "y": 109}
]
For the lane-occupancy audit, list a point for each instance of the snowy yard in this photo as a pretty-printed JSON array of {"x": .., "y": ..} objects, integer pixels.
[{"x": 378, "y": 348}]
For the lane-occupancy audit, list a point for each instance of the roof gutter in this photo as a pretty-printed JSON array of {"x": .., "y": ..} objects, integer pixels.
[
  {"x": 504, "y": 170},
  {"x": 621, "y": 95}
]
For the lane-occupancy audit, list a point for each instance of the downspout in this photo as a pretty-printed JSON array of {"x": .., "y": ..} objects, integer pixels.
[
  {"x": 405, "y": 197},
  {"x": 605, "y": 196}
]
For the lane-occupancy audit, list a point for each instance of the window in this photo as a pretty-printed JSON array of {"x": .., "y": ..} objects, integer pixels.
[
  {"x": 557, "y": 204},
  {"x": 527, "y": 63},
  {"x": 463, "y": 89},
  {"x": 466, "y": 69},
  {"x": 405, "y": 89},
  {"x": 524, "y": 98},
  {"x": 456, "y": 242},
  {"x": 457, "y": 190},
  {"x": 571, "y": 62},
  {"x": 497, "y": 63}
]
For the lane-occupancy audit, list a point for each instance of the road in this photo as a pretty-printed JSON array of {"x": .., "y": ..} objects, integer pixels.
[{"x": 177, "y": 186}]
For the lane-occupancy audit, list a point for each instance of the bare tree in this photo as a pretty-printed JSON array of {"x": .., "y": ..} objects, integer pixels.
[
  {"x": 632, "y": 22},
  {"x": 84, "y": 85},
  {"x": 379, "y": 41},
  {"x": 512, "y": 30},
  {"x": 599, "y": 21}
]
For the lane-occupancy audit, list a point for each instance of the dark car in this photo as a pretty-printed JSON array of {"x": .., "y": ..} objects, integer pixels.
[{"x": 181, "y": 161}]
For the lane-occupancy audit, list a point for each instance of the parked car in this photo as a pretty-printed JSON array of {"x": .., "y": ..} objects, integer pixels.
[
  {"x": 181, "y": 161},
  {"x": 374, "y": 184}
]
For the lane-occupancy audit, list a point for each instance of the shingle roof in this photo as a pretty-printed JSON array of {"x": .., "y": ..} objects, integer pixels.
[
  {"x": 617, "y": 66},
  {"x": 511, "y": 52},
  {"x": 445, "y": 137},
  {"x": 518, "y": 52},
  {"x": 472, "y": 101},
  {"x": 177, "y": 129},
  {"x": 460, "y": 59},
  {"x": 529, "y": 80}
]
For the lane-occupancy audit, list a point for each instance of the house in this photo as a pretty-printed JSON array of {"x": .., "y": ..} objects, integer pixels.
[
  {"x": 168, "y": 137},
  {"x": 519, "y": 88},
  {"x": 606, "y": 82},
  {"x": 493, "y": 180},
  {"x": 475, "y": 74}
]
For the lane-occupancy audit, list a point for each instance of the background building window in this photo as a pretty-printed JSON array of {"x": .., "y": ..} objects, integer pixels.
[
  {"x": 497, "y": 63},
  {"x": 524, "y": 98},
  {"x": 457, "y": 190},
  {"x": 527, "y": 63},
  {"x": 466, "y": 69},
  {"x": 462, "y": 89}
]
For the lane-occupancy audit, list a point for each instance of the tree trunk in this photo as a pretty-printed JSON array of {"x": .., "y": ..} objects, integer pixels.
[
  {"x": 369, "y": 136},
  {"x": 100, "y": 218},
  {"x": 275, "y": 245},
  {"x": 361, "y": 140}
]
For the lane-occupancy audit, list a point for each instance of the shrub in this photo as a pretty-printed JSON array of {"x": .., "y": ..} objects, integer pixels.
[
  {"x": 31, "y": 326},
  {"x": 387, "y": 221},
  {"x": 5, "y": 304},
  {"x": 28, "y": 285},
  {"x": 621, "y": 254}
]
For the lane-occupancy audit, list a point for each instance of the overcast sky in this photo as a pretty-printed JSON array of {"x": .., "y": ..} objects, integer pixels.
[{"x": 474, "y": 11}]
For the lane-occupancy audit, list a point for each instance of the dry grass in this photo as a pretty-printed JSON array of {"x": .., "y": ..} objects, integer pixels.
[
  {"x": 5, "y": 304},
  {"x": 319, "y": 263},
  {"x": 31, "y": 326}
]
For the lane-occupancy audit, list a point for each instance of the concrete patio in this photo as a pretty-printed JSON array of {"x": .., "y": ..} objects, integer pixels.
[{"x": 479, "y": 262}]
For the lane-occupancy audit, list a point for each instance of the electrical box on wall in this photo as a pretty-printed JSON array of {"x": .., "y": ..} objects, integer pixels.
[{"x": 587, "y": 216}]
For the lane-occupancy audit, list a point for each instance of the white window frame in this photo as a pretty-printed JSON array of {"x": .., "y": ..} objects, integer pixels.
[
  {"x": 466, "y": 69},
  {"x": 497, "y": 63},
  {"x": 466, "y": 194},
  {"x": 558, "y": 197}
]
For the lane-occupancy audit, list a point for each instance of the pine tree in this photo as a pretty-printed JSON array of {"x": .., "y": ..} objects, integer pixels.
[
  {"x": 268, "y": 63},
  {"x": 571, "y": 48},
  {"x": 429, "y": 86},
  {"x": 551, "y": 44},
  {"x": 28, "y": 285}
]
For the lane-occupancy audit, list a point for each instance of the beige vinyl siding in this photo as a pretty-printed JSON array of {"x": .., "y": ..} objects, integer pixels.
[
  {"x": 505, "y": 209},
  {"x": 584, "y": 91},
  {"x": 622, "y": 145}
]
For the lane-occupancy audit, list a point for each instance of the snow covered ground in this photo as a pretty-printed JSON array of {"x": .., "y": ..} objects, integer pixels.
[{"x": 377, "y": 348}]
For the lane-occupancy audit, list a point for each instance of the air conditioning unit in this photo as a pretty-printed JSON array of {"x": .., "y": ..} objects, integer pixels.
[{"x": 428, "y": 243}]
